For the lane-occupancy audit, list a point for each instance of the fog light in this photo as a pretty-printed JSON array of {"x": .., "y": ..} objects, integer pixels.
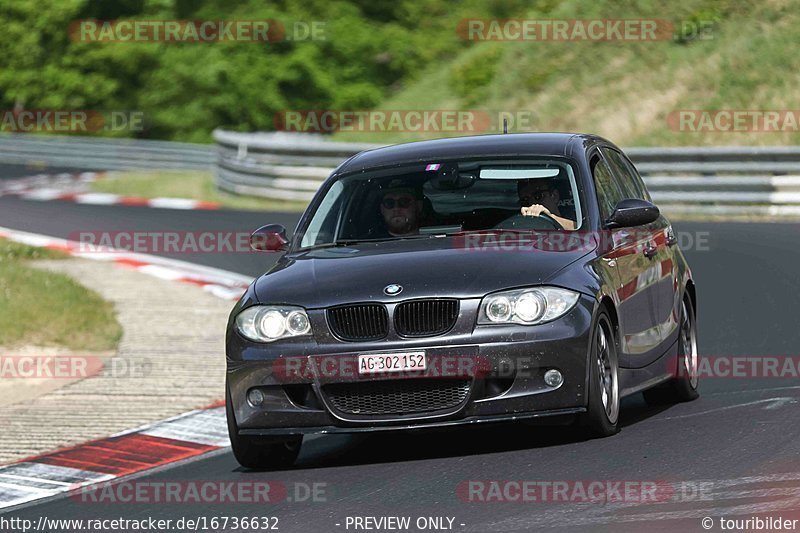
[
  {"x": 255, "y": 397},
  {"x": 553, "y": 378}
]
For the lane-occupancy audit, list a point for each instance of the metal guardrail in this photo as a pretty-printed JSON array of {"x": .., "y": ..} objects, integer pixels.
[
  {"x": 712, "y": 180},
  {"x": 291, "y": 166},
  {"x": 287, "y": 166},
  {"x": 93, "y": 153}
]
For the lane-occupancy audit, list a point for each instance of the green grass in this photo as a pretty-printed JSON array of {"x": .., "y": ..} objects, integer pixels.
[
  {"x": 624, "y": 90},
  {"x": 40, "y": 308},
  {"x": 184, "y": 184}
]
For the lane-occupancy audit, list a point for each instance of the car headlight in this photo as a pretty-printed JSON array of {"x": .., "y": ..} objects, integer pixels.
[
  {"x": 267, "y": 323},
  {"x": 526, "y": 306}
]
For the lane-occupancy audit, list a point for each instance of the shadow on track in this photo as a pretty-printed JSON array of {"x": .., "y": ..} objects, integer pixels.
[{"x": 390, "y": 447}]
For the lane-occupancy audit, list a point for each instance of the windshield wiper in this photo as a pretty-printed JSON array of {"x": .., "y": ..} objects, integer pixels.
[
  {"x": 490, "y": 231},
  {"x": 348, "y": 242}
]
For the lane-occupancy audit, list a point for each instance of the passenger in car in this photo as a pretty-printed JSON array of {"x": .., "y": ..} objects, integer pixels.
[{"x": 538, "y": 196}]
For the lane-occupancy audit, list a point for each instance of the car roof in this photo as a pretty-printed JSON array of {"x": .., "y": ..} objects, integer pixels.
[{"x": 512, "y": 144}]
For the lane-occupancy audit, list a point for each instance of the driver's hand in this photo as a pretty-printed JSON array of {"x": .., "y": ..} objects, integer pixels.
[{"x": 534, "y": 211}]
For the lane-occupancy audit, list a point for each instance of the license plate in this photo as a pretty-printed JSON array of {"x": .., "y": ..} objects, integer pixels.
[{"x": 378, "y": 363}]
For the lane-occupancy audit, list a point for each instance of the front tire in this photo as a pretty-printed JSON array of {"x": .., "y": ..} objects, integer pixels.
[
  {"x": 261, "y": 453},
  {"x": 602, "y": 416}
]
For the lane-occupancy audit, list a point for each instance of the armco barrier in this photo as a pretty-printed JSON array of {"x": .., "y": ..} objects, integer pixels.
[
  {"x": 291, "y": 166},
  {"x": 287, "y": 166},
  {"x": 94, "y": 153},
  {"x": 712, "y": 180}
]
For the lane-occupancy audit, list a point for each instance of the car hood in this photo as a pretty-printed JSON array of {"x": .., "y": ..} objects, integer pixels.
[{"x": 434, "y": 267}]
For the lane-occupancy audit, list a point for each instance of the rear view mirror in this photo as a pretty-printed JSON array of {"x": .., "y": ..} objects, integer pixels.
[
  {"x": 269, "y": 238},
  {"x": 632, "y": 212},
  {"x": 448, "y": 178}
]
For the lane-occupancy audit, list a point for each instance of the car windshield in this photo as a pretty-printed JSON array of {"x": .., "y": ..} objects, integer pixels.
[{"x": 444, "y": 198}]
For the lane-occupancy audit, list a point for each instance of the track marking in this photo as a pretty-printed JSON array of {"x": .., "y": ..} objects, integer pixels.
[
  {"x": 716, "y": 500},
  {"x": 773, "y": 403},
  {"x": 220, "y": 283},
  {"x": 44, "y": 187}
]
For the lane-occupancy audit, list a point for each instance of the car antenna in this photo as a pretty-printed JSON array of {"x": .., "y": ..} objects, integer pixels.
[{"x": 505, "y": 125}]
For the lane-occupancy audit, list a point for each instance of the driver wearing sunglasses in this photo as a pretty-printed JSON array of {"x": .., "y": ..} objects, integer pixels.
[
  {"x": 401, "y": 207},
  {"x": 539, "y": 197}
]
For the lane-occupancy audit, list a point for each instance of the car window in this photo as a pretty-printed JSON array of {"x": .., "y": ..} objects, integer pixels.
[
  {"x": 630, "y": 182},
  {"x": 435, "y": 198},
  {"x": 503, "y": 193},
  {"x": 608, "y": 192},
  {"x": 323, "y": 225},
  {"x": 637, "y": 178}
]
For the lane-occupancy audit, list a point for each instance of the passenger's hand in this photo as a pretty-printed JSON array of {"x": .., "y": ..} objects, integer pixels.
[{"x": 535, "y": 210}]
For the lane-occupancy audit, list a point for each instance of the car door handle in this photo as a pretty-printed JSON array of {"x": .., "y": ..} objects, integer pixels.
[{"x": 650, "y": 251}]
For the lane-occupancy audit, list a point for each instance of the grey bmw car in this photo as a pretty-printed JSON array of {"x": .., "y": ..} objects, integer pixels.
[{"x": 459, "y": 281}]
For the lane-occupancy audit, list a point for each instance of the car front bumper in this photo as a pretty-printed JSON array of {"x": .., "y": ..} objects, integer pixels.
[{"x": 503, "y": 365}]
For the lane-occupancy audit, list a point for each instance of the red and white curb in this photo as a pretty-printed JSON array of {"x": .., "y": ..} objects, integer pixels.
[
  {"x": 28, "y": 184},
  {"x": 174, "y": 439},
  {"x": 47, "y": 187},
  {"x": 221, "y": 283}
]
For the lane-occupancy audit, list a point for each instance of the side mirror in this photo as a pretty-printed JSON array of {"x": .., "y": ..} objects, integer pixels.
[
  {"x": 269, "y": 238},
  {"x": 632, "y": 212}
]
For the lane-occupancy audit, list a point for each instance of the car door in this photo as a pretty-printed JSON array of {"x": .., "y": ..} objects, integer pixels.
[
  {"x": 640, "y": 334},
  {"x": 659, "y": 275},
  {"x": 668, "y": 292}
]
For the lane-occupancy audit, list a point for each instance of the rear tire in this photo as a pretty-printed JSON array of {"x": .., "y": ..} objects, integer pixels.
[
  {"x": 261, "y": 453},
  {"x": 683, "y": 387},
  {"x": 602, "y": 416}
]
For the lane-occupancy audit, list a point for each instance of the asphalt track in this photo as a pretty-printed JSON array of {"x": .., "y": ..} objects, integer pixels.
[
  {"x": 733, "y": 453},
  {"x": 9, "y": 171}
]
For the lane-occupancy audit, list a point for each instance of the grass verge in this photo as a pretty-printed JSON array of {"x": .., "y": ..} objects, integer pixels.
[
  {"x": 721, "y": 56},
  {"x": 49, "y": 309},
  {"x": 193, "y": 185}
]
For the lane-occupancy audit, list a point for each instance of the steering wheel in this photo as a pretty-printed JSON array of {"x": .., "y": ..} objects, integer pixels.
[{"x": 520, "y": 221}]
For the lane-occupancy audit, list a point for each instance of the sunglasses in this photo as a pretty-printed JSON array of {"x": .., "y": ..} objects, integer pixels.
[
  {"x": 537, "y": 196},
  {"x": 403, "y": 203}
]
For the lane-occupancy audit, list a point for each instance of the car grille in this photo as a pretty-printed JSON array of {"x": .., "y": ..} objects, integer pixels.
[
  {"x": 397, "y": 397},
  {"x": 422, "y": 318},
  {"x": 359, "y": 322}
]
